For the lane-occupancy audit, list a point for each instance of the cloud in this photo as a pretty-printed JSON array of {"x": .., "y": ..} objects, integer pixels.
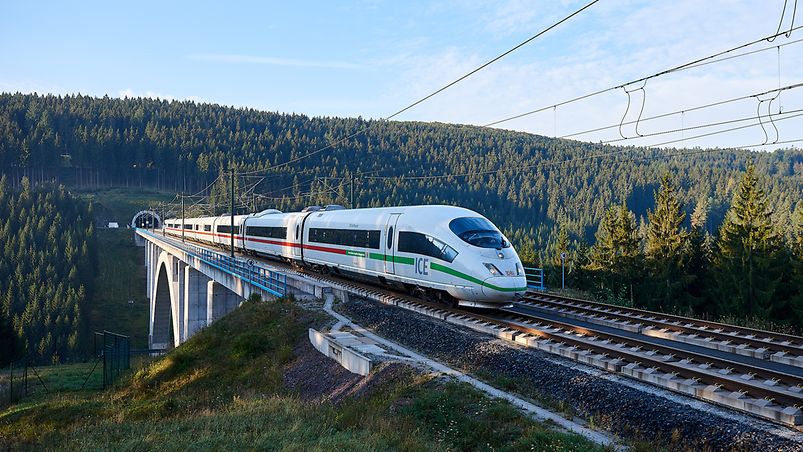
[
  {"x": 607, "y": 48},
  {"x": 274, "y": 61}
]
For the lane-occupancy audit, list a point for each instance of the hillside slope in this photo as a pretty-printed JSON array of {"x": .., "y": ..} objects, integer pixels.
[
  {"x": 183, "y": 146},
  {"x": 252, "y": 381}
]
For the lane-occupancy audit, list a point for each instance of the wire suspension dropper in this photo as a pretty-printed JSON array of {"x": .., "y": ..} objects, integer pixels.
[{"x": 684, "y": 66}]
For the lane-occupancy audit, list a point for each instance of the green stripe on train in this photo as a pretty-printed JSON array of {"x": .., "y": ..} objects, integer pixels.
[
  {"x": 396, "y": 259},
  {"x": 444, "y": 269}
]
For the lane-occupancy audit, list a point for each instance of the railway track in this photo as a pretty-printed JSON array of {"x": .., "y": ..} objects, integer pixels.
[
  {"x": 767, "y": 393},
  {"x": 760, "y": 390},
  {"x": 776, "y": 347}
]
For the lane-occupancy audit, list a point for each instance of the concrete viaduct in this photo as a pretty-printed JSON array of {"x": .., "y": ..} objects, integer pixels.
[{"x": 191, "y": 286}]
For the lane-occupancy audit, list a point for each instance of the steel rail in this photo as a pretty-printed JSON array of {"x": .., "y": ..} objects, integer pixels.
[
  {"x": 721, "y": 363},
  {"x": 760, "y": 338},
  {"x": 731, "y": 384}
]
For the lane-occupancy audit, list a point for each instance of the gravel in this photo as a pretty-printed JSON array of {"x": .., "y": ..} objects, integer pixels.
[
  {"x": 317, "y": 379},
  {"x": 629, "y": 413}
]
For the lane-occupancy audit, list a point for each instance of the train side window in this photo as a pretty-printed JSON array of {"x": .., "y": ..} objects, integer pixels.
[
  {"x": 207, "y": 227},
  {"x": 297, "y": 232},
  {"x": 390, "y": 237},
  {"x": 346, "y": 237},
  {"x": 414, "y": 242}
]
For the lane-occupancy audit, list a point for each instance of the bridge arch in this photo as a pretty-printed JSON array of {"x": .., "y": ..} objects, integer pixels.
[{"x": 163, "y": 322}]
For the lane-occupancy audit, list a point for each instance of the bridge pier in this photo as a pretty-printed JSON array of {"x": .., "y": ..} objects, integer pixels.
[
  {"x": 195, "y": 301},
  {"x": 220, "y": 301}
]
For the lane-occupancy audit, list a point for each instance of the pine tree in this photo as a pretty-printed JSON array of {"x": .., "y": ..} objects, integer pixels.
[
  {"x": 664, "y": 248},
  {"x": 630, "y": 258},
  {"x": 9, "y": 346},
  {"x": 603, "y": 253},
  {"x": 616, "y": 256},
  {"x": 749, "y": 264},
  {"x": 698, "y": 252},
  {"x": 796, "y": 256}
]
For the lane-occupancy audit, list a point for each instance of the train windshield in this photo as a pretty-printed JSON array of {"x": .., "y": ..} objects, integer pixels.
[{"x": 478, "y": 232}]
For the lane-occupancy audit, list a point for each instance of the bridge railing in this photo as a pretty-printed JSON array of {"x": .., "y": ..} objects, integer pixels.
[
  {"x": 272, "y": 282},
  {"x": 535, "y": 278}
]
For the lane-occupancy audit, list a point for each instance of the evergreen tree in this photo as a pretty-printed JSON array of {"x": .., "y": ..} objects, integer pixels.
[
  {"x": 664, "y": 248},
  {"x": 796, "y": 257},
  {"x": 603, "y": 254},
  {"x": 616, "y": 256},
  {"x": 630, "y": 259},
  {"x": 698, "y": 250},
  {"x": 749, "y": 257},
  {"x": 9, "y": 346}
]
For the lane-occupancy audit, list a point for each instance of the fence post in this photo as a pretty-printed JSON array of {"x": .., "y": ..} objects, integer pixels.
[{"x": 104, "y": 367}]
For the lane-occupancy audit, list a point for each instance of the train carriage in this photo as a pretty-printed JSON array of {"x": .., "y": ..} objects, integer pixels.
[{"x": 445, "y": 252}]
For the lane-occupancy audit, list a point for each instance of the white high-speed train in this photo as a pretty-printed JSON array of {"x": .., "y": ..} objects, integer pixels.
[{"x": 448, "y": 253}]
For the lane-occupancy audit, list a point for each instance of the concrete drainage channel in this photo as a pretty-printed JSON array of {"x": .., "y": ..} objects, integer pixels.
[{"x": 355, "y": 348}]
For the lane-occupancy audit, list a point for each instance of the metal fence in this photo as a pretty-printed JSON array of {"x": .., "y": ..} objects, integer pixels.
[
  {"x": 16, "y": 384},
  {"x": 535, "y": 278},
  {"x": 115, "y": 351},
  {"x": 274, "y": 283}
]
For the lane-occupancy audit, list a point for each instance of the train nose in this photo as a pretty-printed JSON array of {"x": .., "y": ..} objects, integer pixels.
[{"x": 504, "y": 287}]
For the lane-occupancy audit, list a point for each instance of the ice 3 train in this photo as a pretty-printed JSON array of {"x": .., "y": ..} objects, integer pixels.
[{"x": 446, "y": 253}]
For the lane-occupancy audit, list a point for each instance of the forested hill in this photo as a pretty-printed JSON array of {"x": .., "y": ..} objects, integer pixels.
[{"x": 182, "y": 146}]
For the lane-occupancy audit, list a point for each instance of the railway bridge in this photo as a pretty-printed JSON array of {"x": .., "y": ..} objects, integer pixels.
[{"x": 191, "y": 286}]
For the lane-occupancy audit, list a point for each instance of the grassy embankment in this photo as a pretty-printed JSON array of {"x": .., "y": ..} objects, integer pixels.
[{"x": 228, "y": 387}]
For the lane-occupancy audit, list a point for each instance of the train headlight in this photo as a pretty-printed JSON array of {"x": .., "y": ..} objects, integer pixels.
[
  {"x": 492, "y": 268},
  {"x": 519, "y": 270}
]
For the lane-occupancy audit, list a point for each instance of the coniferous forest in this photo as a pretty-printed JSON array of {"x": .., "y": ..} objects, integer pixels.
[
  {"x": 717, "y": 233},
  {"x": 47, "y": 260}
]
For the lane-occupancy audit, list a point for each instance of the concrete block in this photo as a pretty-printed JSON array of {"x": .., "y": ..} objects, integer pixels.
[
  {"x": 791, "y": 416},
  {"x": 522, "y": 339},
  {"x": 711, "y": 392},
  {"x": 507, "y": 334},
  {"x": 350, "y": 359}
]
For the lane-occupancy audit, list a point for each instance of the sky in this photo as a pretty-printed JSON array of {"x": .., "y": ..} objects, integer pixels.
[{"x": 370, "y": 58}]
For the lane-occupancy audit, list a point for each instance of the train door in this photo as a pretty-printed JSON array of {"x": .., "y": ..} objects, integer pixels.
[
  {"x": 297, "y": 232},
  {"x": 390, "y": 243}
]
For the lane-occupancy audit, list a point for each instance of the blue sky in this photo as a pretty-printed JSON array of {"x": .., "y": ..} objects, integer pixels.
[{"x": 370, "y": 58}]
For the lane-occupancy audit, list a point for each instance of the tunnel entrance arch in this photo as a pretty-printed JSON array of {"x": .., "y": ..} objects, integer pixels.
[{"x": 146, "y": 219}]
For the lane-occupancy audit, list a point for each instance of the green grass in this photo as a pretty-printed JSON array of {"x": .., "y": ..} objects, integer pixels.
[
  {"x": 120, "y": 278},
  {"x": 121, "y": 204},
  {"x": 224, "y": 389}
]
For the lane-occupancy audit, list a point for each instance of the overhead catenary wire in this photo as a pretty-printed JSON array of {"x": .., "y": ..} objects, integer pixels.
[
  {"x": 686, "y": 110},
  {"x": 728, "y": 130},
  {"x": 700, "y": 126},
  {"x": 622, "y": 151},
  {"x": 434, "y": 93},
  {"x": 642, "y": 79}
]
